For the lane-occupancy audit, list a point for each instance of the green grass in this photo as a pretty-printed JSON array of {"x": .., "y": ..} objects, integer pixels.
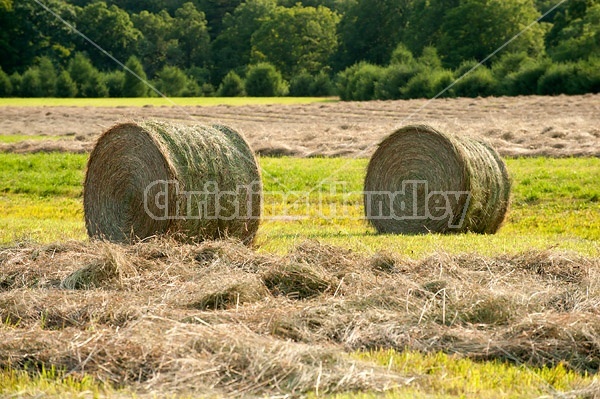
[
  {"x": 157, "y": 101},
  {"x": 428, "y": 376},
  {"x": 555, "y": 203},
  {"x": 15, "y": 138},
  {"x": 446, "y": 376},
  {"x": 51, "y": 383}
]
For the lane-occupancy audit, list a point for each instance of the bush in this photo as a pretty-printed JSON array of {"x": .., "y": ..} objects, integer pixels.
[
  {"x": 571, "y": 78},
  {"x": 231, "y": 86},
  {"x": 133, "y": 86},
  {"x": 307, "y": 85},
  {"x": 90, "y": 82},
  {"x": 428, "y": 84},
  {"x": 394, "y": 78},
  {"x": 263, "y": 80},
  {"x": 465, "y": 67},
  {"x": 401, "y": 55},
  {"x": 94, "y": 87},
  {"x": 31, "y": 85},
  {"x": 6, "y": 88},
  {"x": 525, "y": 80},
  {"x": 357, "y": 83},
  {"x": 430, "y": 59},
  {"x": 480, "y": 82},
  {"x": 65, "y": 86},
  {"x": 300, "y": 85},
  {"x": 47, "y": 77},
  {"x": 16, "y": 81},
  {"x": 321, "y": 85},
  {"x": 171, "y": 81},
  {"x": 509, "y": 63},
  {"x": 115, "y": 82}
]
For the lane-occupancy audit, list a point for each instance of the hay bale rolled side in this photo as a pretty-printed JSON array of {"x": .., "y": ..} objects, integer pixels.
[
  {"x": 150, "y": 178},
  {"x": 420, "y": 180}
]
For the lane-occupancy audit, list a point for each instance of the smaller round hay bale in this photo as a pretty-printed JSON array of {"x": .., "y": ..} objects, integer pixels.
[
  {"x": 420, "y": 180},
  {"x": 151, "y": 178}
]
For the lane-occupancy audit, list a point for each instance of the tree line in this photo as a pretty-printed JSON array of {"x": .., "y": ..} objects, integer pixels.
[{"x": 357, "y": 49}]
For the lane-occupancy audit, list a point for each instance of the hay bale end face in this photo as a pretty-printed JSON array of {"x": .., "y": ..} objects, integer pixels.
[
  {"x": 420, "y": 180},
  {"x": 150, "y": 178}
]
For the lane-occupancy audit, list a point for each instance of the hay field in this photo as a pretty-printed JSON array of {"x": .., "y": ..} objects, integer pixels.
[
  {"x": 516, "y": 126},
  {"x": 320, "y": 304}
]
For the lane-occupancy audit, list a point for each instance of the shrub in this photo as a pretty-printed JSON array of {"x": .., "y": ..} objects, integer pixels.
[
  {"x": 90, "y": 82},
  {"x": 133, "y": 86},
  {"x": 171, "y": 81},
  {"x": 428, "y": 83},
  {"x": 525, "y": 80},
  {"x": 94, "y": 87},
  {"x": 357, "y": 83},
  {"x": 480, "y": 82},
  {"x": 16, "y": 81},
  {"x": 300, "y": 85},
  {"x": 231, "y": 86},
  {"x": 31, "y": 85},
  {"x": 6, "y": 88},
  {"x": 394, "y": 78},
  {"x": 321, "y": 85},
  {"x": 65, "y": 86},
  {"x": 115, "y": 83},
  {"x": 429, "y": 58},
  {"x": 264, "y": 80},
  {"x": 571, "y": 78},
  {"x": 509, "y": 63},
  {"x": 401, "y": 55},
  {"x": 307, "y": 85},
  {"x": 47, "y": 74}
]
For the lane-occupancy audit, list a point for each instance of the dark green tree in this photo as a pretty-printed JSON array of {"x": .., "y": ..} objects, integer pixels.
[
  {"x": 264, "y": 80},
  {"x": 232, "y": 48},
  {"x": 297, "y": 39},
  {"x": 423, "y": 23},
  {"x": 370, "y": 30},
  {"x": 133, "y": 86},
  {"x": 215, "y": 11},
  {"x": 579, "y": 39},
  {"x": 109, "y": 27},
  {"x": 28, "y": 32},
  {"x": 156, "y": 47},
  {"x": 191, "y": 32},
  {"x": 476, "y": 28}
]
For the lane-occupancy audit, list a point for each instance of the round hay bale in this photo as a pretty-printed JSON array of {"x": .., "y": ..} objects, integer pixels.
[
  {"x": 420, "y": 180},
  {"x": 150, "y": 178}
]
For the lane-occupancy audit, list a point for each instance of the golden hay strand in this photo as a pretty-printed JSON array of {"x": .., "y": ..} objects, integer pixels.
[
  {"x": 421, "y": 180},
  {"x": 162, "y": 163}
]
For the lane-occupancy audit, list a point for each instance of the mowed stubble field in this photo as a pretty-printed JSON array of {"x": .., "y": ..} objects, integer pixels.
[{"x": 319, "y": 305}]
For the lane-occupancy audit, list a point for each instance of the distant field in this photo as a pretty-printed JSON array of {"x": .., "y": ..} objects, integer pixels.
[{"x": 157, "y": 101}]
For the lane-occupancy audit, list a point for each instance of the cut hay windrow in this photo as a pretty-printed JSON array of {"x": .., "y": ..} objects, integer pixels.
[
  {"x": 420, "y": 180},
  {"x": 151, "y": 178}
]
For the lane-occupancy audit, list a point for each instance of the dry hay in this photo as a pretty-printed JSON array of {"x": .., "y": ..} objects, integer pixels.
[
  {"x": 149, "y": 178},
  {"x": 219, "y": 318},
  {"x": 420, "y": 180}
]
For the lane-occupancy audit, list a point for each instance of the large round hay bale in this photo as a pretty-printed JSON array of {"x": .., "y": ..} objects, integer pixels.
[
  {"x": 420, "y": 180},
  {"x": 151, "y": 178}
]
